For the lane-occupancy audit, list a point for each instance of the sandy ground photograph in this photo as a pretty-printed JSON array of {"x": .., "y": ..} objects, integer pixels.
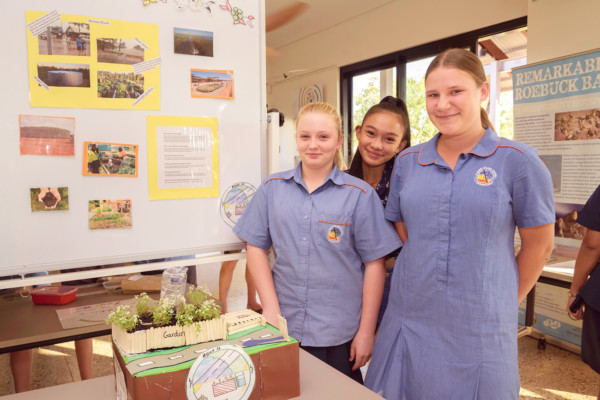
[
  {"x": 46, "y": 136},
  {"x": 209, "y": 83}
]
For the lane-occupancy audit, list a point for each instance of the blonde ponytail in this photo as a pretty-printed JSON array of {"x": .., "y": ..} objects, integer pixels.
[{"x": 485, "y": 120}]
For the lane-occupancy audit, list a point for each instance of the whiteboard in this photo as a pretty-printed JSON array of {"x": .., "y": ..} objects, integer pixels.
[{"x": 32, "y": 241}]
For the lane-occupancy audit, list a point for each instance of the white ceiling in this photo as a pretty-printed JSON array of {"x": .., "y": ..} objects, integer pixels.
[{"x": 321, "y": 15}]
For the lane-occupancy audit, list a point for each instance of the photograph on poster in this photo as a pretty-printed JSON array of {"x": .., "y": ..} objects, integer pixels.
[
  {"x": 49, "y": 199},
  {"x": 193, "y": 42},
  {"x": 65, "y": 39},
  {"x": 119, "y": 51},
  {"x": 120, "y": 85},
  {"x": 212, "y": 83},
  {"x": 109, "y": 214},
  {"x": 566, "y": 225},
  {"x": 110, "y": 159},
  {"x": 70, "y": 75},
  {"x": 577, "y": 125},
  {"x": 554, "y": 164},
  {"x": 46, "y": 136}
]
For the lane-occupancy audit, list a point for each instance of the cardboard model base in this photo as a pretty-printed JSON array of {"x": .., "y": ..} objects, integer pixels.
[{"x": 165, "y": 374}]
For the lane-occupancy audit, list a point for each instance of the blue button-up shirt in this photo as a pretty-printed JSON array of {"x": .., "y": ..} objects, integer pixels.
[{"x": 321, "y": 241}]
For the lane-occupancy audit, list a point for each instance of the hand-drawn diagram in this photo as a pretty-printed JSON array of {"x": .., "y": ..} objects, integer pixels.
[
  {"x": 235, "y": 200},
  {"x": 222, "y": 371}
]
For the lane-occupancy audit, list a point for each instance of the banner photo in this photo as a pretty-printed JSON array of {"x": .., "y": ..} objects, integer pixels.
[{"x": 557, "y": 111}]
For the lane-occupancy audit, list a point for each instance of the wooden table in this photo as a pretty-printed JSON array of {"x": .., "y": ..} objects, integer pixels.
[{"x": 26, "y": 325}]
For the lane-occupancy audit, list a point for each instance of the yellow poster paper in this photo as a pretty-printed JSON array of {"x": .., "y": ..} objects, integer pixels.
[
  {"x": 183, "y": 157},
  {"x": 83, "y": 62}
]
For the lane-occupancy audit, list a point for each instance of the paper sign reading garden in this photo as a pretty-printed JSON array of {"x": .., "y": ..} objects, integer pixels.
[
  {"x": 83, "y": 62},
  {"x": 183, "y": 159}
]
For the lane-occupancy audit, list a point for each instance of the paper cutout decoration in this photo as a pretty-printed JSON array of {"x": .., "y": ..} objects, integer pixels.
[{"x": 238, "y": 15}]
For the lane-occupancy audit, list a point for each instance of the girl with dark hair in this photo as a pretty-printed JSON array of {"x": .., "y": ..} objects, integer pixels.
[
  {"x": 384, "y": 132},
  {"x": 450, "y": 330}
]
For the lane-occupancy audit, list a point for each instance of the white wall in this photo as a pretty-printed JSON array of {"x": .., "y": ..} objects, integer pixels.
[
  {"x": 559, "y": 28},
  {"x": 555, "y": 28},
  {"x": 395, "y": 26}
]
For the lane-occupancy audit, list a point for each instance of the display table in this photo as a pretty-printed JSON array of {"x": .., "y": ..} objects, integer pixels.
[
  {"x": 27, "y": 325},
  {"x": 317, "y": 381}
]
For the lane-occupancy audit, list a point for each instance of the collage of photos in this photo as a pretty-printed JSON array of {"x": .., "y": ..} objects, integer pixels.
[
  {"x": 49, "y": 199},
  {"x": 109, "y": 214},
  {"x": 98, "y": 46},
  {"x": 193, "y": 42},
  {"x": 577, "y": 125},
  {"x": 77, "y": 56},
  {"x": 65, "y": 38},
  {"x": 46, "y": 136},
  {"x": 212, "y": 83},
  {"x": 110, "y": 159}
]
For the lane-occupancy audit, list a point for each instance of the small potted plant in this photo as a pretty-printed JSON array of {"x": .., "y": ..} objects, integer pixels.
[
  {"x": 163, "y": 313},
  {"x": 143, "y": 308},
  {"x": 200, "y": 317},
  {"x": 123, "y": 318},
  {"x": 124, "y": 324},
  {"x": 197, "y": 295}
]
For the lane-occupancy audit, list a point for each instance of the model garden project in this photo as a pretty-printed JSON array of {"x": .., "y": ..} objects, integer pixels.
[{"x": 159, "y": 324}]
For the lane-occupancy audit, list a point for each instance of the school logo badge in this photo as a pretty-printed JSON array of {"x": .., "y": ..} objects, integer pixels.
[
  {"x": 485, "y": 176},
  {"x": 334, "y": 233}
]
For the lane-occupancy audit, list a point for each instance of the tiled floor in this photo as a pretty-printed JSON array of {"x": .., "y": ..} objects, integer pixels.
[{"x": 550, "y": 374}]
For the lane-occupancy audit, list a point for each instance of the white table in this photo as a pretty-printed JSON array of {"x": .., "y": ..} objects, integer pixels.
[{"x": 318, "y": 381}]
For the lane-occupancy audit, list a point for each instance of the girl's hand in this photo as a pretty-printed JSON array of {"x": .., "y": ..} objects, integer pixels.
[
  {"x": 579, "y": 314},
  {"x": 361, "y": 348},
  {"x": 271, "y": 316},
  {"x": 43, "y": 192}
]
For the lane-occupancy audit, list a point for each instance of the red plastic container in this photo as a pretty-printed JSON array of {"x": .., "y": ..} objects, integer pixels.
[{"x": 53, "y": 294}]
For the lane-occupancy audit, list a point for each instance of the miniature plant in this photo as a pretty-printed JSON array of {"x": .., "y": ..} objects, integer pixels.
[
  {"x": 187, "y": 314},
  {"x": 163, "y": 312},
  {"x": 143, "y": 307},
  {"x": 123, "y": 318},
  {"x": 209, "y": 310},
  {"x": 197, "y": 295}
]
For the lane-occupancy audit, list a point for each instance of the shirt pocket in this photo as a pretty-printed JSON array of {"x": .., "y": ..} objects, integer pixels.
[{"x": 334, "y": 231}]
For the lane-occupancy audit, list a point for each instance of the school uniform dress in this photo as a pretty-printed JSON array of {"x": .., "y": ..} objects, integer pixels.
[
  {"x": 450, "y": 330},
  {"x": 321, "y": 241},
  {"x": 590, "y": 332}
]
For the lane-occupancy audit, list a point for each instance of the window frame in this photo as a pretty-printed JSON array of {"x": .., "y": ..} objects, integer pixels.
[{"x": 399, "y": 59}]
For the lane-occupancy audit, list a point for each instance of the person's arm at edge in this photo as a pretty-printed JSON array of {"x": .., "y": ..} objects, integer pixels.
[
  {"x": 258, "y": 263},
  {"x": 536, "y": 246},
  {"x": 364, "y": 340},
  {"x": 401, "y": 230},
  {"x": 587, "y": 259}
]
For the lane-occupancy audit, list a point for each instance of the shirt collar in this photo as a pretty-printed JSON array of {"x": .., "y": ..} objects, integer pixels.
[
  {"x": 486, "y": 146},
  {"x": 336, "y": 176}
]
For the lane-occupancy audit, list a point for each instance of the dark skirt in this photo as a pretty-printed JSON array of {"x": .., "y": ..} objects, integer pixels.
[
  {"x": 338, "y": 358},
  {"x": 590, "y": 338}
]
